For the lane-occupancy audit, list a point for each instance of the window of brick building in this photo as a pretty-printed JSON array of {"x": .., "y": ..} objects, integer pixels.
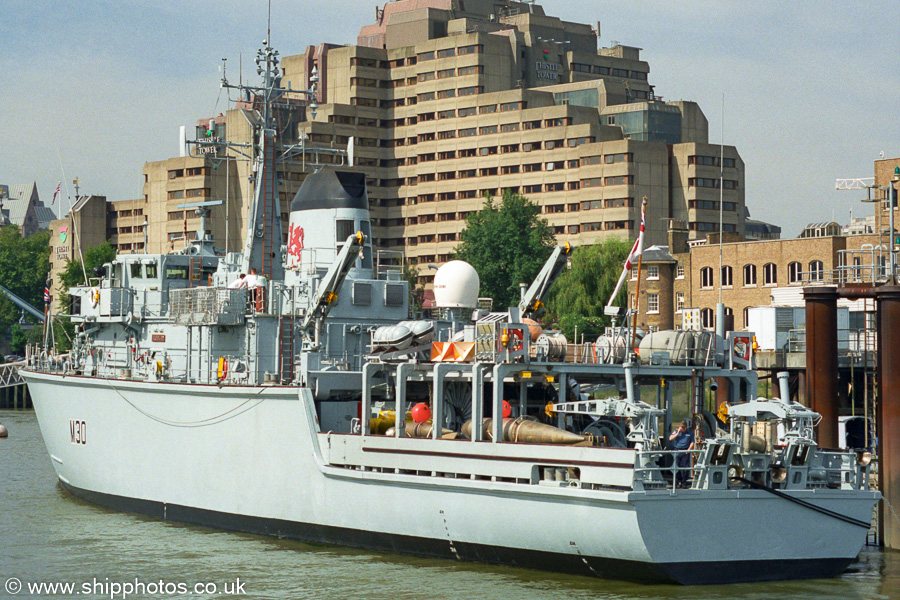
[
  {"x": 770, "y": 274},
  {"x": 749, "y": 275},
  {"x": 706, "y": 277},
  {"x": 816, "y": 271},
  {"x": 795, "y": 274},
  {"x": 727, "y": 276}
]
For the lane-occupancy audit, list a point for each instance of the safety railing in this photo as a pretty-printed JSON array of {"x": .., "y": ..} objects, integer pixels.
[
  {"x": 850, "y": 341},
  {"x": 664, "y": 473}
]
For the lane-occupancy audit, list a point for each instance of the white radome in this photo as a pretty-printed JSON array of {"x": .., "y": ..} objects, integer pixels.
[{"x": 456, "y": 285}]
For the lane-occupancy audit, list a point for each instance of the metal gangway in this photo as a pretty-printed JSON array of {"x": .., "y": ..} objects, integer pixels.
[{"x": 9, "y": 375}]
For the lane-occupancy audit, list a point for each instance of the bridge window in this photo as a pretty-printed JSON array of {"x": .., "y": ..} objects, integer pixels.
[{"x": 176, "y": 272}]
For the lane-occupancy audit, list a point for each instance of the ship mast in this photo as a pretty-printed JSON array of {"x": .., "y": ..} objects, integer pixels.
[{"x": 263, "y": 240}]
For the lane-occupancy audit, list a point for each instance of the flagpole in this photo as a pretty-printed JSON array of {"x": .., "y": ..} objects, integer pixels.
[{"x": 637, "y": 291}]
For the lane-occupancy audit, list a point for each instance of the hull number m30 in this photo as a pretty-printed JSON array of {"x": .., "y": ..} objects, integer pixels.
[{"x": 77, "y": 432}]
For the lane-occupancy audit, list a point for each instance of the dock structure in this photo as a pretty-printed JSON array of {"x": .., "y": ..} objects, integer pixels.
[
  {"x": 13, "y": 390},
  {"x": 821, "y": 365}
]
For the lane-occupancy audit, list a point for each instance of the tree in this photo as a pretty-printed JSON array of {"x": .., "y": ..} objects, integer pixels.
[
  {"x": 578, "y": 296},
  {"x": 416, "y": 292},
  {"x": 507, "y": 243},
  {"x": 24, "y": 264}
]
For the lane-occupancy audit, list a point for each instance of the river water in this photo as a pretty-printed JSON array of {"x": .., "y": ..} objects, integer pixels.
[{"x": 49, "y": 537}]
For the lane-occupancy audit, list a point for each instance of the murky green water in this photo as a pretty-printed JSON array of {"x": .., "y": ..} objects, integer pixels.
[{"x": 48, "y": 536}]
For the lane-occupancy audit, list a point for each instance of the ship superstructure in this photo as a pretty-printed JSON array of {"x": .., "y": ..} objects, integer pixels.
[{"x": 280, "y": 407}]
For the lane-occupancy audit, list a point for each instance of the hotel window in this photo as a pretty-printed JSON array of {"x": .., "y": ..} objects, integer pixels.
[
  {"x": 474, "y": 49},
  {"x": 770, "y": 274},
  {"x": 749, "y": 275},
  {"x": 620, "y": 157},
  {"x": 487, "y": 108},
  {"x": 679, "y": 301},
  {"x": 555, "y": 187},
  {"x": 475, "y": 70},
  {"x": 652, "y": 303},
  {"x": 794, "y": 273},
  {"x": 727, "y": 276},
  {"x": 679, "y": 272},
  {"x": 619, "y": 180},
  {"x": 706, "y": 277},
  {"x": 653, "y": 272}
]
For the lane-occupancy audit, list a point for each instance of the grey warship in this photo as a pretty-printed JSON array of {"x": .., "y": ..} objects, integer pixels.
[{"x": 282, "y": 410}]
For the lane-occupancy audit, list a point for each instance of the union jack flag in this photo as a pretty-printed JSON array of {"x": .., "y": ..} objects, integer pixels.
[
  {"x": 46, "y": 294},
  {"x": 56, "y": 193}
]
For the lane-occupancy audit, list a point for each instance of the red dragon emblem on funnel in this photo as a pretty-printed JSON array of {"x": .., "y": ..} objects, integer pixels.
[{"x": 295, "y": 244}]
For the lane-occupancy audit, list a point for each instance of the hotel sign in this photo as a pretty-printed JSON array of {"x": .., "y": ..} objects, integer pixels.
[{"x": 547, "y": 70}]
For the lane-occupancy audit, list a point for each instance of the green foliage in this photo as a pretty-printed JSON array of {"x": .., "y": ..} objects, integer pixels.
[
  {"x": 416, "y": 292},
  {"x": 73, "y": 274},
  {"x": 24, "y": 264},
  {"x": 578, "y": 296},
  {"x": 21, "y": 337},
  {"x": 507, "y": 243}
]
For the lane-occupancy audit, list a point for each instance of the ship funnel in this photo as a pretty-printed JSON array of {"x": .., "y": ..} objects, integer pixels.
[{"x": 330, "y": 206}]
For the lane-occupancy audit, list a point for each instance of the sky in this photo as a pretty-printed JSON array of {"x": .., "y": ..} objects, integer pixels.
[{"x": 811, "y": 91}]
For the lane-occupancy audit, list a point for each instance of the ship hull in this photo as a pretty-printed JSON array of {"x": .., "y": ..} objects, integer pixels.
[{"x": 252, "y": 460}]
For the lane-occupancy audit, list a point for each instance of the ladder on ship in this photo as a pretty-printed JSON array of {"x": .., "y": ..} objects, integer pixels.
[
  {"x": 195, "y": 272},
  {"x": 286, "y": 348},
  {"x": 271, "y": 208}
]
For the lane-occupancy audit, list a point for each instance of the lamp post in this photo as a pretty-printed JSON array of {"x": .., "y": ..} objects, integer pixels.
[{"x": 889, "y": 196}]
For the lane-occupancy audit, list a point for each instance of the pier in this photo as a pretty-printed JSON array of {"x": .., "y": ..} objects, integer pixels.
[{"x": 13, "y": 391}]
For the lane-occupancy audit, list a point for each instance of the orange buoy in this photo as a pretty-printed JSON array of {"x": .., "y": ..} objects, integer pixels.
[{"x": 420, "y": 412}]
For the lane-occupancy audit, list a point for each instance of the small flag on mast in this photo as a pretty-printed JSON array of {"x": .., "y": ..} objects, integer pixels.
[
  {"x": 56, "y": 193},
  {"x": 636, "y": 251}
]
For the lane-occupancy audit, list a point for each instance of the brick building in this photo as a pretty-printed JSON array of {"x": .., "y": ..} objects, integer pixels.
[{"x": 686, "y": 274}]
